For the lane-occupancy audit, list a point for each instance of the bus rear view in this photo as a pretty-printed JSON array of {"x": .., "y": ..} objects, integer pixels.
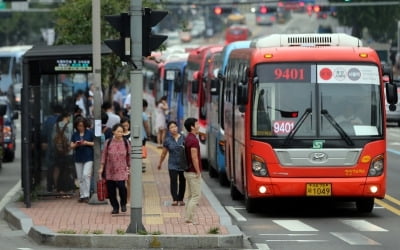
[{"x": 312, "y": 116}]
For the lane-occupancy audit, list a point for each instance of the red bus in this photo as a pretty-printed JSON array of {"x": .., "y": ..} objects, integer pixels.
[
  {"x": 285, "y": 100},
  {"x": 194, "y": 99}
]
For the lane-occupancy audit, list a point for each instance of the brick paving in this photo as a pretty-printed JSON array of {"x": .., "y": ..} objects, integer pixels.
[{"x": 67, "y": 215}]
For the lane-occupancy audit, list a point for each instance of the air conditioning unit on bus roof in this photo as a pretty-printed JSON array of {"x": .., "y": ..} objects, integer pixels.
[{"x": 311, "y": 40}]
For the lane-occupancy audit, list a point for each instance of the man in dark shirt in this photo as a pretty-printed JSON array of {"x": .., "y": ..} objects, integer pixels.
[{"x": 193, "y": 174}]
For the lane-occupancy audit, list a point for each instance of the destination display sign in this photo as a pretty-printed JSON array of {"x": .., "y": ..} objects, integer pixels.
[
  {"x": 285, "y": 72},
  {"x": 75, "y": 65}
]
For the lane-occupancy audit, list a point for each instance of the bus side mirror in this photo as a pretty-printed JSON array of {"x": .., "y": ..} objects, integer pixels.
[
  {"x": 242, "y": 93},
  {"x": 391, "y": 95},
  {"x": 165, "y": 86},
  {"x": 15, "y": 115},
  {"x": 3, "y": 110},
  {"x": 195, "y": 82},
  {"x": 214, "y": 86},
  {"x": 195, "y": 87}
]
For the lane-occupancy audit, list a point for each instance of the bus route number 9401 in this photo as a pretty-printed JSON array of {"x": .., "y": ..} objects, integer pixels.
[{"x": 283, "y": 127}]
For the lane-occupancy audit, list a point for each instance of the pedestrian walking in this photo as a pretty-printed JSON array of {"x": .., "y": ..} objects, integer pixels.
[
  {"x": 193, "y": 174},
  {"x": 172, "y": 142},
  {"x": 82, "y": 142},
  {"x": 115, "y": 164}
]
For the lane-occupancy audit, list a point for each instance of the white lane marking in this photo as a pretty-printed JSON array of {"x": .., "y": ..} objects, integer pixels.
[
  {"x": 235, "y": 213},
  {"x": 294, "y": 225},
  {"x": 262, "y": 246},
  {"x": 299, "y": 240},
  {"x": 294, "y": 235},
  {"x": 355, "y": 239},
  {"x": 364, "y": 226}
]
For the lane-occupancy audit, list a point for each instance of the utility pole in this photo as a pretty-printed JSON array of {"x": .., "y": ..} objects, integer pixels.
[
  {"x": 136, "y": 78},
  {"x": 97, "y": 97},
  {"x": 136, "y": 40}
]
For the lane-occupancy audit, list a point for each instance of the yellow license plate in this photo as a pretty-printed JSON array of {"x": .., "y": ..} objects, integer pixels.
[{"x": 319, "y": 189}]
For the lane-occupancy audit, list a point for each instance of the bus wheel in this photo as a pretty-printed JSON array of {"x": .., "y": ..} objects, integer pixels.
[
  {"x": 223, "y": 180},
  {"x": 212, "y": 172},
  {"x": 235, "y": 194},
  {"x": 365, "y": 205},
  {"x": 250, "y": 204},
  {"x": 204, "y": 164}
]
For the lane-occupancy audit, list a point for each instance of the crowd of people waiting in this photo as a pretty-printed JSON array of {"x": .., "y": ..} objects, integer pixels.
[{"x": 68, "y": 140}]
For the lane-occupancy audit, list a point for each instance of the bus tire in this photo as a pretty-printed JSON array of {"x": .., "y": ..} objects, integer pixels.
[
  {"x": 365, "y": 205},
  {"x": 212, "y": 172},
  {"x": 251, "y": 204},
  {"x": 235, "y": 194},
  {"x": 204, "y": 164},
  {"x": 223, "y": 180}
]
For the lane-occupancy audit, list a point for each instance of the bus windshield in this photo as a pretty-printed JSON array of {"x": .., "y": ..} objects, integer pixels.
[{"x": 302, "y": 102}]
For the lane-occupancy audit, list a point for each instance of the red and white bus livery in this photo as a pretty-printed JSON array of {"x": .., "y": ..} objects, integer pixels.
[{"x": 304, "y": 117}]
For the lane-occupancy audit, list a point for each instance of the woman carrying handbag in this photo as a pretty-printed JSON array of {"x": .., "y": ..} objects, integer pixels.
[{"x": 115, "y": 163}]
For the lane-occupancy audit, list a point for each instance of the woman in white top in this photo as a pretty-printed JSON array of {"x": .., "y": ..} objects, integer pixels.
[{"x": 161, "y": 111}]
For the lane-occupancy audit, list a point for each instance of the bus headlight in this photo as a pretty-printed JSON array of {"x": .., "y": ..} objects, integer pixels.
[
  {"x": 259, "y": 167},
  {"x": 376, "y": 167}
]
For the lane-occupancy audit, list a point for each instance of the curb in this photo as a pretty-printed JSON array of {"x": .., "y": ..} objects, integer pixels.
[{"x": 43, "y": 236}]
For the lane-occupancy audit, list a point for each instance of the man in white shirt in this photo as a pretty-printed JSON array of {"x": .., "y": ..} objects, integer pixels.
[{"x": 112, "y": 117}]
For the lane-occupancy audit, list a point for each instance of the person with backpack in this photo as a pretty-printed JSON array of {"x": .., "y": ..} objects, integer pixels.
[
  {"x": 62, "y": 174},
  {"x": 172, "y": 144},
  {"x": 82, "y": 142},
  {"x": 114, "y": 167}
]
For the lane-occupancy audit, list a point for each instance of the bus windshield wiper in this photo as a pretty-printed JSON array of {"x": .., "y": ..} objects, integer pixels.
[
  {"x": 296, "y": 127},
  {"x": 338, "y": 128}
]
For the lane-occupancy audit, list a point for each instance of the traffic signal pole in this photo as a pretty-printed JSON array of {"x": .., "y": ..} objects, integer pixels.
[{"x": 136, "y": 79}]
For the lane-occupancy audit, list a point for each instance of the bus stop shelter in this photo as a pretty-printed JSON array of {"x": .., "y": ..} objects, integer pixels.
[{"x": 52, "y": 75}]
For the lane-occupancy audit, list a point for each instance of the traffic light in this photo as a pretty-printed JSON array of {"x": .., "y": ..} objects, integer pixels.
[
  {"x": 122, "y": 46},
  {"x": 218, "y": 10},
  {"x": 150, "y": 41}
]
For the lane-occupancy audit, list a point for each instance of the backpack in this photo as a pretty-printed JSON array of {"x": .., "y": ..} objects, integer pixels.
[{"x": 61, "y": 142}]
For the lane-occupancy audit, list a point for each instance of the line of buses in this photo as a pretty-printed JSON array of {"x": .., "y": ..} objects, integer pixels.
[{"x": 299, "y": 115}]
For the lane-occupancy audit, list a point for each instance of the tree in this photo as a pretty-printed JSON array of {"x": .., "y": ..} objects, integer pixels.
[
  {"x": 23, "y": 27},
  {"x": 381, "y": 20},
  {"x": 74, "y": 26}
]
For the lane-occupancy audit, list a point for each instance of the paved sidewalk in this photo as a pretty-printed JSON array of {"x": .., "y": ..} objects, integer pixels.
[{"x": 67, "y": 217}]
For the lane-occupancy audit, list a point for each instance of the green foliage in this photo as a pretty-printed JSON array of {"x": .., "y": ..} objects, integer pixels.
[
  {"x": 23, "y": 27},
  {"x": 142, "y": 232},
  {"x": 66, "y": 231},
  {"x": 380, "y": 20},
  {"x": 121, "y": 231},
  {"x": 213, "y": 230},
  {"x": 98, "y": 232},
  {"x": 74, "y": 26}
]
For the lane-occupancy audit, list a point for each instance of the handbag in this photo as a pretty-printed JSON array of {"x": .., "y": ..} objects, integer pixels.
[{"x": 102, "y": 192}]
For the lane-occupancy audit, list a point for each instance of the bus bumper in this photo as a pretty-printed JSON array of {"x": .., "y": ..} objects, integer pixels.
[{"x": 326, "y": 187}]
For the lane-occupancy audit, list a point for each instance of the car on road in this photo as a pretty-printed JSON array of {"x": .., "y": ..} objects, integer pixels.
[
  {"x": 9, "y": 130},
  {"x": 265, "y": 15}
]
